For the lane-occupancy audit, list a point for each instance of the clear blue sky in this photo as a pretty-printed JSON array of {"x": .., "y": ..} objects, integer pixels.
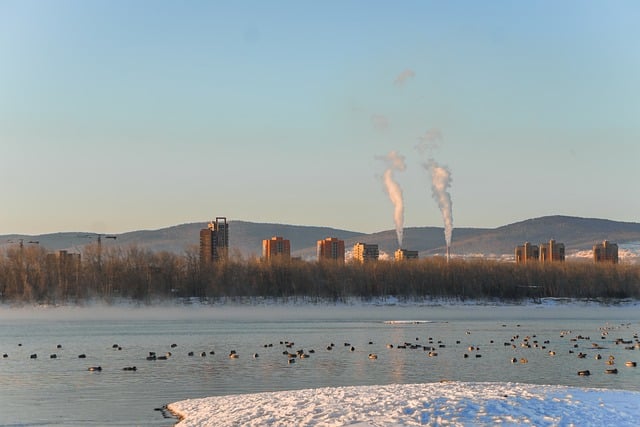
[{"x": 125, "y": 115}]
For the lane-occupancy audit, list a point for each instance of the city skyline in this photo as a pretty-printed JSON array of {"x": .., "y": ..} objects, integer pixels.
[{"x": 119, "y": 116}]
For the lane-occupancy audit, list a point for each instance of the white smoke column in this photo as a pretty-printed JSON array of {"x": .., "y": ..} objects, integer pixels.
[
  {"x": 440, "y": 183},
  {"x": 395, "y": 162},
  {"x": 404, "y": 76}
]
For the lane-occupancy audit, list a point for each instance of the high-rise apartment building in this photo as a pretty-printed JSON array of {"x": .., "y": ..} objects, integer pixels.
[
  {"x": 365, "y": 252},
  {"x": 214, "y": 241},
  {"x": 551, "y": 252},
  {"x": 330, "y": 248},
  {"x": 605, "y": 252},
  {"x": 527, "y": 253},
  {"x": 405, "y": 254},
  {"x": 545, "y": 252},
  {"x": 276, "y": 247}
]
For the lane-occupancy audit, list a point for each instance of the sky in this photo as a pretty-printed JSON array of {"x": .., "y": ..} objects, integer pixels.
[{"x": 125, "y": 115}]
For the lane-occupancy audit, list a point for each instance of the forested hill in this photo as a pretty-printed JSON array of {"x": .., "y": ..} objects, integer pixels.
[{"x": 246, "y": 237}]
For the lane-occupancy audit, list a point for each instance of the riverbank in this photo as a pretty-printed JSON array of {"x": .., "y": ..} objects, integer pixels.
[{"x": 448, "y": 403}]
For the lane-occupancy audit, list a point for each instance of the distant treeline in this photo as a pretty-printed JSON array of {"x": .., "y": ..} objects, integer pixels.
[{"x": 29, "y": 275}]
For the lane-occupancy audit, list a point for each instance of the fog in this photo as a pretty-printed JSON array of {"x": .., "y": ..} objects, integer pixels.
[{"x": 301, "y": 310}]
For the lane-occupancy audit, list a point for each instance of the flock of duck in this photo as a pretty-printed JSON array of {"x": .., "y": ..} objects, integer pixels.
[{"x": 292, "y": 353}]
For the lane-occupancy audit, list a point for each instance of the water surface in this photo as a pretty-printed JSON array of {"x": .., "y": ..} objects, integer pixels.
[{"x": 62, "y": 391}]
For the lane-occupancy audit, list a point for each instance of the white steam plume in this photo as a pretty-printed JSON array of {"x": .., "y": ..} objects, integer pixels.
[
  {"x": 404, "y": 76},
  {"x": 395, "y": 162},
  {"x": 440, "y": 183},
  {"x": 380, "y": 122}
]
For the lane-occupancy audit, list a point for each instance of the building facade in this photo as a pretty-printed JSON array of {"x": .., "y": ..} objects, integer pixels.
[
  {"x": 330, "y": 249},
  {"x": 276, "y": 247},
  {"x": 545, "y": 252},
  {"x": 527, "y": 253},
  {"x": 605, "y": 252},
  {"x": 214, "y": 241},
  {"x": 405, "y": 254},
  {"x": 552, "y": 251},
  {"x": 364, "y": 252}
]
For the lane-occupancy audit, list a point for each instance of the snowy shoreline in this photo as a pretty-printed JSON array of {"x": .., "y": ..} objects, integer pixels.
[{"x": 448, "y": 403}]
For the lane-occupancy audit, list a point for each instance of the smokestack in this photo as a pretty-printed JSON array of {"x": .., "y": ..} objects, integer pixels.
[{"x": 395, "y": 162}]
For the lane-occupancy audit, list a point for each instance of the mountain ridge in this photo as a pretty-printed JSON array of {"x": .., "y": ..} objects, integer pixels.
[{"x": 577, "y": 233}]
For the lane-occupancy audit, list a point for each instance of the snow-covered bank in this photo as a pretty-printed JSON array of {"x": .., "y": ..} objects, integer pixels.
[{"x": 448, "y": 403}]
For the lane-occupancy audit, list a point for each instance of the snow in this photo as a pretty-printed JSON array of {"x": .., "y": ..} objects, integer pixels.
[{"x": 446, "y": 403}]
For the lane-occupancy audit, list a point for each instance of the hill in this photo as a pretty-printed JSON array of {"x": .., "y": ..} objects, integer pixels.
[{"x": 578, "y": 234}]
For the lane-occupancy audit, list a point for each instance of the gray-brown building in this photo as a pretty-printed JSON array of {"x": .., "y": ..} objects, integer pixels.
[
  {"x": 330, "y": 249},
  {"x": 214, "y": 241},
  {"x": 365, "y": 252},
  {"x": 405, "y": 254},
  {"x": 605, "y": 252},
  {"x": 527, "y": 253},
  {"x": 551, "y": 252},
  {"x": 276, "y": 247}
]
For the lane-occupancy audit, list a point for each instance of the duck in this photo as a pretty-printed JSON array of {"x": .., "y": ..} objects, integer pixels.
[
  {"x": 630, "y": 364},
  {"x": 373, "y": 356},
  {"x": 584, "y": 373},
  {"x": 95, "y": 368}
]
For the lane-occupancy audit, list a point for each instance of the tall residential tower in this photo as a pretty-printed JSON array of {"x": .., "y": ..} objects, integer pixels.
[
  {"x": 214, "y": 241},
  {"x": 330, "y": 249}
]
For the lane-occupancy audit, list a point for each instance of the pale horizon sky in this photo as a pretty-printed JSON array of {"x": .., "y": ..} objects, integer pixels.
[{"x": 125, "y": 115}]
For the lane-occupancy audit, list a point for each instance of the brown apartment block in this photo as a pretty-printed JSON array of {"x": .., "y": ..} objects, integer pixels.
[
  {"x": 214, "y": 241},
  {"x": 545, "y": 252},
  {"x": 330, "y": 249},
  {"x": 605, "y": 252},
  {"x": 405, "y": 254},
  {"x": 276, "y": 247},
  {"x": 527, "y": 253},
  {"x": 551, "y": 252},
  {"x": 364, "y": 252}
]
